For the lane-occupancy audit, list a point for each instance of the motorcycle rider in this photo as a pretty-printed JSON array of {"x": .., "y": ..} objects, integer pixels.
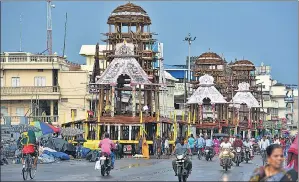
[
  {"x": 200, "y": 143},
  {"x": 106, "y": 146},
  {"x": 238, "y": 143},
  {"x": 225, "y": 145},
  {"x": 182, "y": 148},
  {"x": 248, "y": 144},
  {"x": 210, "y": 144}
]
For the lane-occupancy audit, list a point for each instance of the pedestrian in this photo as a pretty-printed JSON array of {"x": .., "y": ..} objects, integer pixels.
[
  {"x": 191, "y": 143},
  {"x": 166, "y": 145},
  {"x": 216, "y": 146},
  {"x": 140, "y": 145},
  {"x": 273, "y": 171},
  {"x": 145, "y": 149}
]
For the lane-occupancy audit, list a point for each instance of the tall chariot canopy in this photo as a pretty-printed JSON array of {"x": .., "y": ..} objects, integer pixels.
[
  {"x": 244, "y": 96},
  {"x": 206, "y": 89},
  {"x": 124, "y": 63}
]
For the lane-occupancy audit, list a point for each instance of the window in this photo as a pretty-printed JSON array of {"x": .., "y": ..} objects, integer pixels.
[
  {"x": 64, "y": 99},
  {"x": 73, "y": 112},
  {"x": 39, "y": 81},
  {"x": 15, "y": 81},
  {"x": 20, "y": 112}
]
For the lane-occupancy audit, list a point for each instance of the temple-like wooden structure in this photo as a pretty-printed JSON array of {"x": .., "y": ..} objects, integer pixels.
[
  {"x": 227, "y": 77},
  {"x": 129, "y": 85}
]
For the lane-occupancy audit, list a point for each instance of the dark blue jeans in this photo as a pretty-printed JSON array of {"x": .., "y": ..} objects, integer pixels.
[{"x": 112, "y": 156}]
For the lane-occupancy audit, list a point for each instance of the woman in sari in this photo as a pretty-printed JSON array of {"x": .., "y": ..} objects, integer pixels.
[
  {"x": 273, "y": 171},
  {"x": 145, "y": 149},
  {"x": 216, "y": 145},
  {"x": 293, "y": 155}
]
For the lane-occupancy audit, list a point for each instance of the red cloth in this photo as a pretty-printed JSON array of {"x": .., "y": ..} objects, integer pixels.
[
  {"x": 28, "y": 149},
  {"x": 294, "y": 146},
  {"x": 238, "y": 143},
  {"x": 293, "y": 154}
]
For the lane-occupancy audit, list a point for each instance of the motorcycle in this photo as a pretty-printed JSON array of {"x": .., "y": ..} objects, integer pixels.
[
  {"x": 181, "y": 171},
  {"x": 238, "y": 156},
  {"x": 209, "y": 153},
  {"x": 226, "y": 160},
  {"x": 105, "y": 164},
  {"x": 247, "y": 154}
]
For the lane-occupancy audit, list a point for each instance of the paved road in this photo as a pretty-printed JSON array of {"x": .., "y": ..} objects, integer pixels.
[{"x": 133, "y": 170}]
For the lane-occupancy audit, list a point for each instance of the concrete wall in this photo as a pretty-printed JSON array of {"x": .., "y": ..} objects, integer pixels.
[
  {"x": 26, "y": 77},
  {"x": 73, "y": 95},
  {"x": 168, "y": 102},
  {"x": 266, "y": 80},
  {"x": 9, "y": 108}
]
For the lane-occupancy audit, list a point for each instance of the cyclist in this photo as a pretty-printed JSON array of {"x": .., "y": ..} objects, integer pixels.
[
  {"x": 263, "y": 145},
  {"x": 29, "y": 144}
]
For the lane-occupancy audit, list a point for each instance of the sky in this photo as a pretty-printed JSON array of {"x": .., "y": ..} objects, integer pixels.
[{"x": 257, "y": 31}]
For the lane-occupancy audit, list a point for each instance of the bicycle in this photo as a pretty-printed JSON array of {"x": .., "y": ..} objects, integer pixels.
[
  {"x": 28, "y": 168},
  {"x": 263, "y": 153}
]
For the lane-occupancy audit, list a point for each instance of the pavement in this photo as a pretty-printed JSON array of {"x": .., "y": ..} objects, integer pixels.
[{"x": 133, "y": 170}]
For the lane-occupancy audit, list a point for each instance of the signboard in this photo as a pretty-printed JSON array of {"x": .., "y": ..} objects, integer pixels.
[
  {"x": 289, "y": 99},
  {"x": 179, "y": 89},
  {"x": 93, "y": 88},
  {"x": 274, "y": 118},
  {"x": 127, "y": 149}
]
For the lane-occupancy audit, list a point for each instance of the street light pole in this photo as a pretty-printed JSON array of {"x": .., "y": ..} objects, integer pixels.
[
  {"x": 189, "y": 39},
  {"x": 262, "y": 100}
]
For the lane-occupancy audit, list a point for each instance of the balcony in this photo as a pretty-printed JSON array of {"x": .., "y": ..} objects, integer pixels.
[
  {"x": 15, "y": 120},
  {"x": 28, "y": 61},
  {"x": 24, "y": 93}
]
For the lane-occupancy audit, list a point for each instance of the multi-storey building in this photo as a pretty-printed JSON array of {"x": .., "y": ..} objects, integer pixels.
[
  {"x": 268, "y": 103},
  {"x": 38, "y": 87}
]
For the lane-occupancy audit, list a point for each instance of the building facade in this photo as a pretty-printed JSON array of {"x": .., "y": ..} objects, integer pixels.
[{"x": 31, "y": 87}]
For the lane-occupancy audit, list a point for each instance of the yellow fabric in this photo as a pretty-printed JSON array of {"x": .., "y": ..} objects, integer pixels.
[
  {"x": 230, "y": 153},
  {"x": 145, "y": 150}
]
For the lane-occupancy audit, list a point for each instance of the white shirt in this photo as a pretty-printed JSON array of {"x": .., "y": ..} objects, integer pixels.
[
  {"x": 166, "y": 144},
  {"x": 231, "y": 140},
  {"x": 264, "y": 144},
  {"x": 247, "y": 144},
  {"x": 225, "y": 145},
  {"x": 277, "y": 142}
]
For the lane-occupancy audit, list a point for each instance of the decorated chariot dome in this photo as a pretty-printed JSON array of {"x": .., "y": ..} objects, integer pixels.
[
  {"x": 244, "y": 96},
  {"x": 128, "y": 14},
  {"x": 206, "y": 89},
  {"x": 124, "y": 63},
  {"x": 243, "y": 65},
  {"x": 209, "y": 58}
]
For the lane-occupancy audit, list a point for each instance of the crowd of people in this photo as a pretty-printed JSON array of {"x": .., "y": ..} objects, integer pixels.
[{"x": 281, "y": 153}]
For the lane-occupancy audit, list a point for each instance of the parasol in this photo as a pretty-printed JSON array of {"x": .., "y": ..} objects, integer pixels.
[{"x": 45, "y": 128}]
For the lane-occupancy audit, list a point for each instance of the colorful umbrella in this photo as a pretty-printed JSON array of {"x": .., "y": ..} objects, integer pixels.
[{"x": 45, "y": 128}]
